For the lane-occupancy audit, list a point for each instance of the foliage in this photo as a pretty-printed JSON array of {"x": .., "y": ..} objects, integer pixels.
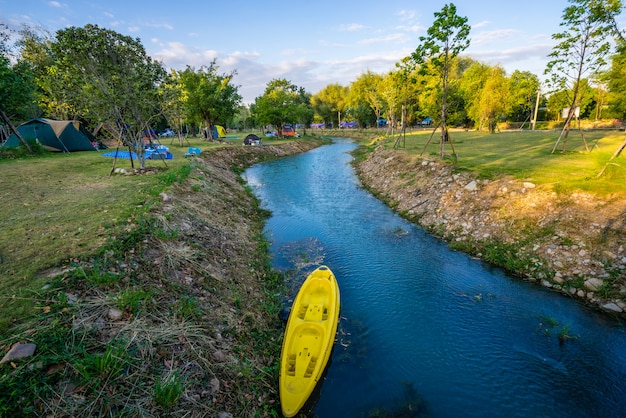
[
  {"x": 364, "y": 94},
  {"x": 331, "y": 102},
  {"x": 446, "y": 38},
  {"x": 281, "y": 103},
  {"x": 17, "y": 82},
  {"x": 105, "y": 77},
  {"x": 524, "y": 86},
  {"x": 581, "y": 50},
  {"x": 616, "y": 80},
  {"x": 208, "y": 97}
]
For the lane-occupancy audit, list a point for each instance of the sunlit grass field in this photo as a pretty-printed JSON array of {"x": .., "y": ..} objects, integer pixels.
[
  {"x": 528, "y": 156},
  {"x": 61, "y": 205}
]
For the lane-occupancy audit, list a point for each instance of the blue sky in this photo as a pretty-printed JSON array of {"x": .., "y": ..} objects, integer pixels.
[{"x": 311, "y": 43}]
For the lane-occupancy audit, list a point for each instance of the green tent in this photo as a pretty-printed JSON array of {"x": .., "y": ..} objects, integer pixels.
[{"x": 54, "y": 135}]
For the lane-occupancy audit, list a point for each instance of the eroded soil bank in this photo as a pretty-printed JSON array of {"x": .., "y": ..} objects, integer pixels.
[{"x": 572, "y": 243}]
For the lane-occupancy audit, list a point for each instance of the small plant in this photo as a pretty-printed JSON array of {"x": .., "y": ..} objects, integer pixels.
[
  {"x": 168, "y": 391},
  {"x": 188, "y": 307},
  {"x": 97, "y": 276},
  {"x": 98, "y": 367},
  {"x": 564, "y": 334},
  {"x": 131, "y": 300}
]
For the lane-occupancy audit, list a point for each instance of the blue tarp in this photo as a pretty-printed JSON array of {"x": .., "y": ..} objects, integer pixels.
[{"x": 120, "y": 154}]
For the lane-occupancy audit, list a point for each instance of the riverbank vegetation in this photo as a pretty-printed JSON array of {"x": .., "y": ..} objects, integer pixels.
[{"x": 148, "y": 292}]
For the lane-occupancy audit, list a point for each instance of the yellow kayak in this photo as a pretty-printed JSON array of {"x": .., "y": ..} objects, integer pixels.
[{"x": 309, "y": 339}]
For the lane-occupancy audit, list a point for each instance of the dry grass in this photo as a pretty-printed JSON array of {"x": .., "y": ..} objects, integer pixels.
[{"x": 140, "y": 305}]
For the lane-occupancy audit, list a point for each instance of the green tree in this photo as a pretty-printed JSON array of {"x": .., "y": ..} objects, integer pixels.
[
  {"x": 616, "y": 82},
  {"x": 105, "y": 77},
  {"x": 331, "y": 102},
  {"x": 173, "y": 99},
  {"x": 304, "y": 110},
  {"x": 446, "y": 38},
  {"x": 580, "y": 52},
  {"x": 365, "y": 93},
  {"x": 17, "y": 86},
  {"x": 282, "y": 102},
  {"x": 209, "y": 97},
  {"x": 524, "y": 87}
]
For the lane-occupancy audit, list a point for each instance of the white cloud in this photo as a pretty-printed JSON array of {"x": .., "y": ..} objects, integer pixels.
[
  {"x": 161, "y": 25},
  {"x": 480, "y": 24},
  {"x": 394, "y": 37},
  {"x": 498, "y": 35},
  {"x": 351, "y": 27},
  {"x": 406, "y": 14},
  {"x": 57, "y": 4}
]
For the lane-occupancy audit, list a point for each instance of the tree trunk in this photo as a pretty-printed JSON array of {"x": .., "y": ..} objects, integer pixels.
[{"x": 6, "y": 120}]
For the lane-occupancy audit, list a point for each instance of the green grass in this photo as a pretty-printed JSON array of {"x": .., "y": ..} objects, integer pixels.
[
  {"x": 53, "y": 205},
  {"x": 528, "y": 156}
]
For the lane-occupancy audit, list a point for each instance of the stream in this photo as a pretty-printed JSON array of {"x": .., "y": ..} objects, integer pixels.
[{"x": 424, "y": 330}]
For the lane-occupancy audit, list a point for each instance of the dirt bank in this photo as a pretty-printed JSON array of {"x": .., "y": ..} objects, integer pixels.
[
  {"x": 574, "y": 243},
  {"x": 177, "y": 319}
]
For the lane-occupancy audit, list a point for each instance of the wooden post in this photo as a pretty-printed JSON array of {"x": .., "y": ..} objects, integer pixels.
[{"x": 6, "y": 120}]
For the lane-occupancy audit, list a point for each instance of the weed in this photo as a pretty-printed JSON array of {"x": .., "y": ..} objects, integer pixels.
[
  {"x": 97, "y": 368},
  {"x": 131, "y": 300},
  {"x": 168, "y": 390},
  {"x": 97, "y": 276},
  {"x": 188, "y": 307}
]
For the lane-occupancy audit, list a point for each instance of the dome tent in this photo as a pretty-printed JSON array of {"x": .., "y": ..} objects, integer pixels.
[
  {"x": 54, "y": 135},
  {"x": 252, "y": 139}
]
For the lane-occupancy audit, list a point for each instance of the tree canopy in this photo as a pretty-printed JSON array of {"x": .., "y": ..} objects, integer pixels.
[
  {"x": 207, "y": 96},
  {"x": 282, "y": 102},
  {"x": 446, "y": 38},
  {"x": 581, "y": 50}
]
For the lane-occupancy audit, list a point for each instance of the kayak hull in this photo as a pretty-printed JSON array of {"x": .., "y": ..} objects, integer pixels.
[{"x": 309, "y": 338}]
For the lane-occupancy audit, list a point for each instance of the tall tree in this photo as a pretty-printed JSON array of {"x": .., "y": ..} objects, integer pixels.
[
  {"x": 17, "y": 86},
  {"x": 364, "y": 91},
  {"x": 209, "y": 97},
  {"x": 580, "y": 52},
  {"x": 334, "y": 100},
  {"x": 524, "y": 87},
  {"x": 173, "y": 99},
  {"x": 446, "y": 38},
  {"x": 281, "y": 103},
  {"x": 105, "y": 77}
]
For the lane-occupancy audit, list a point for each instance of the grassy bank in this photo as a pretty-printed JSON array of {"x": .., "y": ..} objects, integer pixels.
[
  {"x": 524, "y": 155},
  {"x": 147, "y": 294}
]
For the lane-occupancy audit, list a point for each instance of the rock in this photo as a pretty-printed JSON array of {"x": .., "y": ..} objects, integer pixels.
[
  {"x": 115, "y": 314},
  {"x": 529, "y": 185},
  {"x": 593, "y": 284},
  {"x": 19, "y": 350},
  {"x": 165, "y": 197},
  {"x": 219, "y": 355},
  {"x": 471, "y": 186},
  {"x": 612, "y": 307},
  {"x": 214, "y": 384}
]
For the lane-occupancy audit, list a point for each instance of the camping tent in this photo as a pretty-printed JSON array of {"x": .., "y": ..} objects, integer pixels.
[
  {"x": 218, "y": 132},
  {"x": 252, "y": 139},
  {"x": 54, "y": 135}
]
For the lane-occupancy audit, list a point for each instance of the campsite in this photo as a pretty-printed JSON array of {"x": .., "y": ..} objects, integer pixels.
[
  {"x": 55, "y": 135},
  {"x": 112, "y": 243}
]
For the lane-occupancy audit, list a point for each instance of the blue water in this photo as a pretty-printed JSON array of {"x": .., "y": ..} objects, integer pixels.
[{"x": 426, "y": 331}]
